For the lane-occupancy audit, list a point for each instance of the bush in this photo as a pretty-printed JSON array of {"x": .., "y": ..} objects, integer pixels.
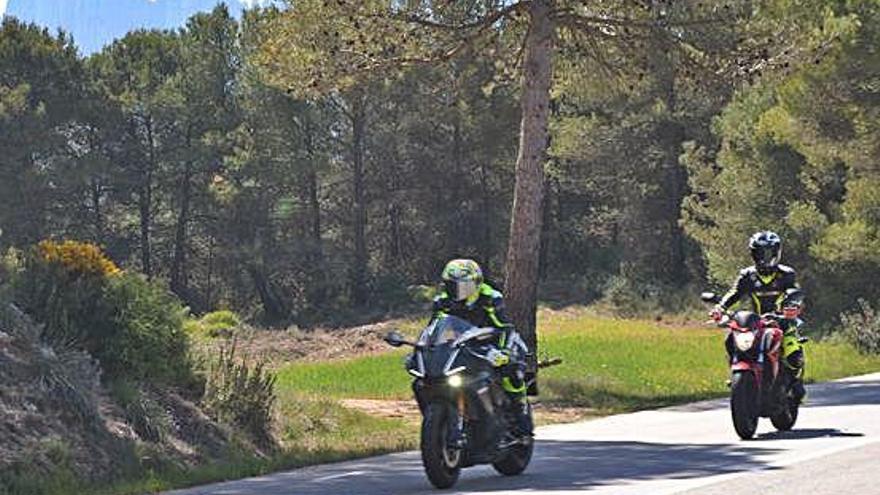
[
  {"x": 221, "y": 323},
  {"x": 145, "y": 339},
  {"x": 132, "y": 326},
  {"x": 61, "y": 285},
  {"x": 862, "y": 328},
  {"x": 241, "y": 394}
]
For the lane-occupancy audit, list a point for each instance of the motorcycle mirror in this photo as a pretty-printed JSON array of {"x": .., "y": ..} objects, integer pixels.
[
  {"x": 394, "y": 339},
  {"x": 710, "y": 297}
]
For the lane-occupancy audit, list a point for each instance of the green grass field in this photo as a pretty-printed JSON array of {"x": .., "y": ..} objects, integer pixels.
[{"x": 609, "y": 364}]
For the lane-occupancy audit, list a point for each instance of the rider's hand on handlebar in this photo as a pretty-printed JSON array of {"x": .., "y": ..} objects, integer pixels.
[
  {"x": 716, "y": 314},
  {"x": 497, "y": 357}
]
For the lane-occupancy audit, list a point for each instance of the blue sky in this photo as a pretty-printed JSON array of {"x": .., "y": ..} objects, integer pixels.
[{"x": 94, "y": 23}]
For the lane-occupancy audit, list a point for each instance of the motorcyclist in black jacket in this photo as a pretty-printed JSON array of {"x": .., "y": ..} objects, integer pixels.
[{"x": 765, "y": 284}]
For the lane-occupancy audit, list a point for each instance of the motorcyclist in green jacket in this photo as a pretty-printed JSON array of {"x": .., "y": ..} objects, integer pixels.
[{"x": 466, "y": 295}]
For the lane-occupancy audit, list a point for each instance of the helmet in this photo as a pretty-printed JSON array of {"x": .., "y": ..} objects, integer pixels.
[
  {"x": 793, "y": 303},
  {"x": 766, "y": 250},
  {"x": 462, "y": 279}
]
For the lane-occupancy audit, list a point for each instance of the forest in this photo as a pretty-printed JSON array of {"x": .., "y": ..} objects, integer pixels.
[{"x": 316, "y": 163}]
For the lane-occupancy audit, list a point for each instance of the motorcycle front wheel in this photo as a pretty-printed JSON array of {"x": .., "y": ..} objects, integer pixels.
[
  {"x": 442, "y": 463},
  {"x": 744, "y": 404}
]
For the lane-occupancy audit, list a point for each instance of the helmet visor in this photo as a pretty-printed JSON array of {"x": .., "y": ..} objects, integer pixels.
[
  {"x": 461, "y": 289},
  {"x": 765, "y": 256}
]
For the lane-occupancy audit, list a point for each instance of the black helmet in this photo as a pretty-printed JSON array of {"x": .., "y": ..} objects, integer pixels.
[
  {"x": 766, "y": 250},
  {"x": 794, "y": 298}
]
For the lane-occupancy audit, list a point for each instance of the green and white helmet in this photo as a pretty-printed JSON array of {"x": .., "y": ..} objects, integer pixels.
[{"x": 462, "y": 279}]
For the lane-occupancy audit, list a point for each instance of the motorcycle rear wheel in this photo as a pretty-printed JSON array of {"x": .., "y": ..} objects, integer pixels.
[
  {"x": 442, "y": 464},
  {"x": 785, "y": 419},
  {"x": 517, "y": 458},
  {"x": 743, "y": 404}
]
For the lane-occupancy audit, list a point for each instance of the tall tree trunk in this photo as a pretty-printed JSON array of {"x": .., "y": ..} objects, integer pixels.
[
  {"x": 486, "y": 242},
  {"x": 312, "y": 190},
  {"x": 275, "y": 309},
  {"x": 98, "y": 215},
  {"x": 145, "y": 202},
  {"x": 178, "y": 265},
  {"x": 315, "y": 216},
  {"x": 359, "y": 269},
  {"x": 523, "y": 251}
]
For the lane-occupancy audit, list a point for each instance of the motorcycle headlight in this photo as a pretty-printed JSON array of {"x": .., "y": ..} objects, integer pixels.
[
  {"x": 455, "y": 381},
  {"x": 744, "y": 340}
]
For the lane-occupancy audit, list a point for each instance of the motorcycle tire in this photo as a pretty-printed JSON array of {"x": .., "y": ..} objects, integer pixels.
[
  {"x": 517, "y": 457},
  {"x": 442, "y": 464},
  {"x": 743, "y": 404},
  {"x": 785, "y": 419}
]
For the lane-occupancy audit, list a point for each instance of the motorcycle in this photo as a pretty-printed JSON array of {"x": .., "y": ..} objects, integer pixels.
[
  {"x": 759, "y": 346},
  {"x": 467, "y": 417}
]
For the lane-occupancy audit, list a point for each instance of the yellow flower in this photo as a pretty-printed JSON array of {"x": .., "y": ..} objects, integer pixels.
[{"x": 77, "y": 257}]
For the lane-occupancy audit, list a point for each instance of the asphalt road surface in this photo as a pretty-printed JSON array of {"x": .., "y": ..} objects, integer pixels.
[{"x": 692, "y": 449}]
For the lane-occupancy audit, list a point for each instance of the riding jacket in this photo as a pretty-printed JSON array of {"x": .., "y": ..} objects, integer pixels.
[{"x": 765, "y": 291}]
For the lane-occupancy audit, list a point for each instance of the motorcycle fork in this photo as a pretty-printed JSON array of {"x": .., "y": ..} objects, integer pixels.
[
  {"x": 458, "y": 436},
  {"x": 462, "y": 412}
]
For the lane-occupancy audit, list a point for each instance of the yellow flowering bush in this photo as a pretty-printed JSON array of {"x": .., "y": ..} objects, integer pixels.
[
  {"x": 132, "y": 326},
  {"x": 77, "y": 257}
]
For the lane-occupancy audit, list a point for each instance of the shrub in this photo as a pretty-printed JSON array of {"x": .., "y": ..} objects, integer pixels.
[
  {"x": 631, "y": 299},
  {"x": 132, "y": 326},
  {"x": 145, "y": 338},
  {"x": 221, "y": 323},
  {"x": 241, "y": 394},
  {"x": 77, "y": 258},
  {"x": 862, "y": 328},
  {"x": 61, "y": 286},
  {"x": 146, "y": 417}
]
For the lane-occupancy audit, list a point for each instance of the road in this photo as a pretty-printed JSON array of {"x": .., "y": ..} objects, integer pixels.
[{"x": 691, "y": 449}]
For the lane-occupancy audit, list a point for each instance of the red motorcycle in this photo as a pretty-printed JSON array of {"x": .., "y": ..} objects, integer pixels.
[{"x": 759, "y": 387}]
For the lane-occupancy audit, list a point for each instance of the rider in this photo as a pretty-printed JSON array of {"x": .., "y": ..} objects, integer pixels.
[
  {"x": 466, "y": 295},
  {"x": 766, "y": 283}
]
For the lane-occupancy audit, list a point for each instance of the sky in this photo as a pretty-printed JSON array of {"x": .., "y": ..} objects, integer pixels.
[{"x": 95, "y": 23}]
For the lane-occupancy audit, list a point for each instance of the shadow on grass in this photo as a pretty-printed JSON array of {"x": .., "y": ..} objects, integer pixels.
[{"x": 558, "y": 465}]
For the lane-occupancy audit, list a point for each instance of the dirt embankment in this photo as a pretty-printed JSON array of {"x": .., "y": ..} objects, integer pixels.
[{"x": 56, "y": 418}]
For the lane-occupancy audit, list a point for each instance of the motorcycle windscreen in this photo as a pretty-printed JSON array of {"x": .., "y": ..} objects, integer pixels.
[{"x": 444, "y": 330}]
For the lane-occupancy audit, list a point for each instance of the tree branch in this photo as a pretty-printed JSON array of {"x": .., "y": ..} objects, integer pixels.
[{"x": 482, "y": 24}]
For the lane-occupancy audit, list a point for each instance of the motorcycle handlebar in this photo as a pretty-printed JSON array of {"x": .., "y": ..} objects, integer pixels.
[{"x": 549, "y": 362}]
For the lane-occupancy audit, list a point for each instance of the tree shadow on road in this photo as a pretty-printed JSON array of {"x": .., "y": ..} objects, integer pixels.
[
  {"x": 557, "y": 465},
  {"x": 848, "y": 393},
  {"x": 561, "y": 465}
]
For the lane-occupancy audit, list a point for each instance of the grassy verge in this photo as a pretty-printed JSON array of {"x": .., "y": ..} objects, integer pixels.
[{"x": 612, "y": 365}]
